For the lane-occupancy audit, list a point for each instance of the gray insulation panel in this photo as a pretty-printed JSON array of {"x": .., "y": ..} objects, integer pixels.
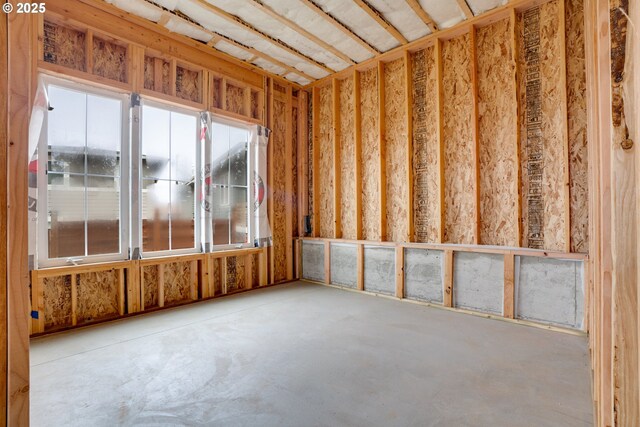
[
  {"x": 344, "y": 265},
  {"x": 478, "y": 281},
  {"x": 550, "y": 291},
  {"x": 423, "y": 277},
  {"x": 379, "y": 270},
  {"x": 313, "y": 261}
]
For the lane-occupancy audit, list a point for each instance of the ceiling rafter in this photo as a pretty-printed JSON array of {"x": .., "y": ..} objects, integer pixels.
[
  {"x": 234, "y": 19},
  {"x": 216, "y": 37},
  {"x": 317, "y": 40},
  {"x": 377, "y": 16},
  {"x": 465, "y": 8},
  {"x": 339, "y": 25},
  {"x": 423, "y": 15}
]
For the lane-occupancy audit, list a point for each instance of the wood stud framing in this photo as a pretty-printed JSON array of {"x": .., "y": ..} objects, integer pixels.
[
  {"x": 382, "y": 177},
  {"x": 337, "y": 193}
]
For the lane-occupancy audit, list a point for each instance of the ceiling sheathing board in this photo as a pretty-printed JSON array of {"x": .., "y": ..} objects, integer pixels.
[
  {"x": 272, "y": 27},
  {"x": 481, "y": 6},
  {"x": 359, "y": 22},
  {"x": 446, "y": 14},
  {"x": 298, "y": 12},
  {"x": 236, "y": 32},
  {"x": 402, "y": 17}
]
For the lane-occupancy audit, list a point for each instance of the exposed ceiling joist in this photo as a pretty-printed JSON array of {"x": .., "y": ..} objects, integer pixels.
[
  {"x": 317, "y": 40},
  {"x": 377, "y": 16},
  {"x": 234, "y": 19},
  {"x": 340, "y": 26},
  {"x": 423, "y": 15},
  {"x": 465, "y": 8},
  {"x": 215, "y": 38}
]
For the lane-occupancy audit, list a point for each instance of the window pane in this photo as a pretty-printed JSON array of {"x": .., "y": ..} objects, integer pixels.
[
  {"x": 183, "y": 147},
  {"x": 182, "y": 215},
  {"x": 220, "y": 215},
  {"x": 66, "y": 130},
  {"x": 104, "y": 134},
  {"x": 220, "y": 150},
  {"x": 103, "y": 215},
  {"x": 66, "y": 217},
  {"x": 238, "y": 139},
  {"x": 156, "y": 196},
  {"x": 155, "y": 142},
  {"x": 239, "y": 232}
]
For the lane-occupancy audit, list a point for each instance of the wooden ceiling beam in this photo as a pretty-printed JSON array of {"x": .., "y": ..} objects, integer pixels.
[
  {"x": 340, "y": 26},
  {"x": 218, "y": 37},
  {"x": 423, "y": 15},
  {"x": 465, "y": 8},
  {"x": 289, "y": 23},
  {"x": 235, "y": 20},
  {"x": 377, "y": 16}
]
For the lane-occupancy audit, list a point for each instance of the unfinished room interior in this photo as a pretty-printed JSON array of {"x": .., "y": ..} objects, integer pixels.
[{"x": 320, "y": 213}]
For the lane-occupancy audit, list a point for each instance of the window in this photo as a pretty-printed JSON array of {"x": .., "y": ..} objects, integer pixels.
[
  {"x": 168, "y": 178},
  {"x": 82, "y": 187},
  {"x": 229, "y": 184}
]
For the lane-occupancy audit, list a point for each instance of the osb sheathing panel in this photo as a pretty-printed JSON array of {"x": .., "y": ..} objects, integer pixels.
[
  {"x": 216, "y": 89},
  {"x": 149, "y": 69},
  {"x": 150, "y": 280},
  {"x": 325, "y": 164},
  {"x": 577, "y": 113},
  {"x": 370, "y": 155},
  {"x": 279, "y": 193},
  {"x": 216, "y": 279},
  {"x": 235, "y": 99},
  {"x": 166, "y": 80},
  {"x": 188, "y": 84},
  {"x": 109, "y": 60},
  {"x": 347, "y": 160},
  {"x": 458, "y": 144},
  {"x": 57, "y": 302},
  {"x": 255, "y": 105},
  {"x": 294, "y": 171},
  {"x": 310, "y": 171},
  {"x": 64, "y": 46},
  {"x": 542, "y": 121},
  {"x": 235, "y": 273},
  {"x": 497, "y": 139},
  {"x": 255, "y": 270},
  {"x": 97, "y": 295},
  {"x": 177, "y": 286},
  {"x": 425, "y": 146},
  {"x": 396, "y": 153}
]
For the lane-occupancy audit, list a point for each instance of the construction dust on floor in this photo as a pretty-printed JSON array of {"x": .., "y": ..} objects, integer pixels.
[{"x": 303, "y": 354}]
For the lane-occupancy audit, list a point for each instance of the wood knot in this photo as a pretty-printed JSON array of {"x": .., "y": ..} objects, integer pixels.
[{"x": 627, "y": 144}]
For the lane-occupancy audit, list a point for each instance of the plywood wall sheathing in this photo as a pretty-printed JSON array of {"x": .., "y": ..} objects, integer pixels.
[
  {"x": 497, "y": 135},
  {"x": 177, "y": 286},
  {"x": 325, "y": 163},
  {"x": 109, "y": 59},
  {"x": 64, "y": 46},
  {"x": 57, "y": 302},
  {"x": 425, "y": 146},
  {"x": 347, "y": 159},
  {"x": 188, "y": 84},
  {"x": 397, "y": 187},
  {"x": 577, "y": 126},
  {"x": 235, "y": 99},
  {"x": 542, "y": 141},
  {"x": 97, "y": 295},
  {"x": 370, "y": 155},
  {"x": 457, "y": 138},
  {"x": 279, "y": 201}
]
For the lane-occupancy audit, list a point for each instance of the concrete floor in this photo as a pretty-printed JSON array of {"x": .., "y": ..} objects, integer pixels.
[{"x": 309, "y": 355}]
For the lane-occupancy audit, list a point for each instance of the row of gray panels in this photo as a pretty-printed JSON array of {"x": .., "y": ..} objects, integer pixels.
[{"x": 547, "y": 290}]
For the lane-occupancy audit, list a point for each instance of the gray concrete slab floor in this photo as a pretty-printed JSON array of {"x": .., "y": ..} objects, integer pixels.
[{"x": 308, "y": 355}]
